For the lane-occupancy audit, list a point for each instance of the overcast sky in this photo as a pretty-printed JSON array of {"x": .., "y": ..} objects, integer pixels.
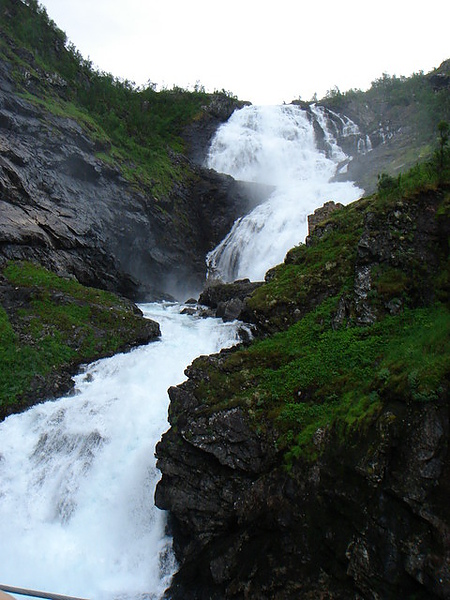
[{"x": 263, "y": 51}]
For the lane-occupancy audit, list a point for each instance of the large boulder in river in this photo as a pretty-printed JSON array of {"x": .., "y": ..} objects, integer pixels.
[{"x": 227, "y": 300}]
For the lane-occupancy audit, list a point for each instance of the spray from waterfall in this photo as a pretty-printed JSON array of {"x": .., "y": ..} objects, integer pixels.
[{"x": 274, "y": 145}]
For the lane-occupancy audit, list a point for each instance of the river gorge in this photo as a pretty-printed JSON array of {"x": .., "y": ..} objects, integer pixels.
[
  {"x": 80, "y": 519},
  {"x": 223, "y": 335}
]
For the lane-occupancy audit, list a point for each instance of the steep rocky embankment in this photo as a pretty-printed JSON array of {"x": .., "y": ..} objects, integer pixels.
[
  {"x": 64, "y": 207},
  {"x": 314, "y": 462},
  {"x": 93, "y": 179}
]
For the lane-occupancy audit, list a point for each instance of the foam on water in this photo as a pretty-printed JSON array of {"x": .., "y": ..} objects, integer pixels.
[
  {"x": 274, "y": 145},
  {"x": 77, "y": 476}
]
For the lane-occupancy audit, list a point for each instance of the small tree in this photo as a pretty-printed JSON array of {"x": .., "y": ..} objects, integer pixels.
[{"x": 386, "y": 184}]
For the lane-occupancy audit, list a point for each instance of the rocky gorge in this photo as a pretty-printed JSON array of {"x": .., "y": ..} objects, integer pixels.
[
  {"x": 312, "y": 460},
  {"x": 358, "y": 509}
]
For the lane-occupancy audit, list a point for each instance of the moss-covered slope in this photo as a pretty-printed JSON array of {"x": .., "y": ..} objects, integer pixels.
[
  {"x": 50, "y": 325},
  {"x": 311, "y": 453},
  {"x": 357, "y": 315}
]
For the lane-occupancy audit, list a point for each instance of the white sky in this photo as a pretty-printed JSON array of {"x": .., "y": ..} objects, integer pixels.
[{"x": 264, "y": 51}]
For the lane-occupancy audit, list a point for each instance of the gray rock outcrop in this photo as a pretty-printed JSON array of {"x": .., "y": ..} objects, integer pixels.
[
  {"x": 364, "y": 514},
  {"x": 64, "y": 207},
  {"x": 366, "y": 520}
]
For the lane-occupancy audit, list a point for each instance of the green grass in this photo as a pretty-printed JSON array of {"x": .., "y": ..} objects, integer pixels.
[
  {"x": 311, "y": 377},
  {"x": 312, "y": 373},
  {"x": 60, "y": 324},
  {"x": 424, "y": 176}
]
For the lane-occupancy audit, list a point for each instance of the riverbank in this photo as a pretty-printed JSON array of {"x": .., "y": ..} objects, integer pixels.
[
  {"x": 51, "y": 325},
  {"x": 314, "y": 461}
]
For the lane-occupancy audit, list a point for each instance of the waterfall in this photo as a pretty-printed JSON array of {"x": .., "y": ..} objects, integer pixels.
[
  {"x": 274, "y": 145},
  {"x": 77, "y": 475}
]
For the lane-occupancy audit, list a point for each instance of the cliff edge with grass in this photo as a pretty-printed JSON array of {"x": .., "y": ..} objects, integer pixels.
[
  {"x": 50, "y": 326},
  {"x": 313, "y": 462}
]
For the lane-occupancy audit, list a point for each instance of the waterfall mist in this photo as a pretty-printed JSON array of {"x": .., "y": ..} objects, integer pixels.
[{"x": 274, "y": 145}]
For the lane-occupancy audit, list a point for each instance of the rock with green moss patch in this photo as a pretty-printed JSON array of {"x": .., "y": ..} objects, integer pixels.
[{"x": 50, "y": 325}]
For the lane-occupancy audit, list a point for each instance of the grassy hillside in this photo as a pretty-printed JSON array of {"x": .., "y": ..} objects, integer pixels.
[
  {"x": 422, "y": 97},
  {"x": 135, "y": 128},
  {"x": 400, "y": 115},
  {"x": 356, "y": 318},
  {"x": 50, "y": 325}
]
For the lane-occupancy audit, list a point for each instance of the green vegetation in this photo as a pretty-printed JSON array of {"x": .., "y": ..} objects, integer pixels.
[
  {"x": 309, "y": 270},
  {"x": 391, "y": 96},
  {"x": 138, "y": 129},
  {"x": 312, "y": 376},
  {"x": 60, "y": 324},
  {"x": 424, "y": 175},
  {"x": 315, "y": 372},
  {"x": 404, "y": 112}
]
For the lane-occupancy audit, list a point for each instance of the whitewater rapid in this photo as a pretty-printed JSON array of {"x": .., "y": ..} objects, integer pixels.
[
  {"x": 77, "y": 476},
  {"x": 277, "y": 146}
]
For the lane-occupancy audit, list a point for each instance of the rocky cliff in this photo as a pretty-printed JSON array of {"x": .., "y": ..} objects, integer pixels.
[
  {"x": 86, "y": 193},
  {"x": 391, "y": 126},
  {"x": 64, "y": 207},
  {"x": 365, "y": 520},
  {"x": 314, "y": 462}
]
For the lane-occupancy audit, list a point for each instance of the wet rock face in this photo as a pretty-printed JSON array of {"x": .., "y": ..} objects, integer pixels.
[
  {"x": 368, "y": 520},
  {"x": 59, "y": 204},
  {"x": 198, "y": 135},
  {"x": 66, "y": 209},
  {"x": 321, "y": 214},
  {"x": 227, "y": 300}
]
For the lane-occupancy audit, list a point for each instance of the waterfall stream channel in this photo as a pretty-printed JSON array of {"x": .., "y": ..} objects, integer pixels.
[{"x": 77, "y": 475}]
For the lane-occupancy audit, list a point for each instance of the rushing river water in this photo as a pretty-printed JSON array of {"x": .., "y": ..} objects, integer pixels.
[{"x": 77, "y": 475}]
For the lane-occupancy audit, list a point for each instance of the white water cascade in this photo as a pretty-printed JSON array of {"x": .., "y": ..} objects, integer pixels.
[
  {"x": 274, "y": 145},
  {"x": 77, "y": 476}
]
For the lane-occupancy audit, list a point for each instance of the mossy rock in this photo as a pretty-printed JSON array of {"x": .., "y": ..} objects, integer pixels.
[{"x": 49, "y": 325}]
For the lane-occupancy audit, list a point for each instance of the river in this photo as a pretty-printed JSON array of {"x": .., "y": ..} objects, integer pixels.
[{"x": 77, "y": 475}]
